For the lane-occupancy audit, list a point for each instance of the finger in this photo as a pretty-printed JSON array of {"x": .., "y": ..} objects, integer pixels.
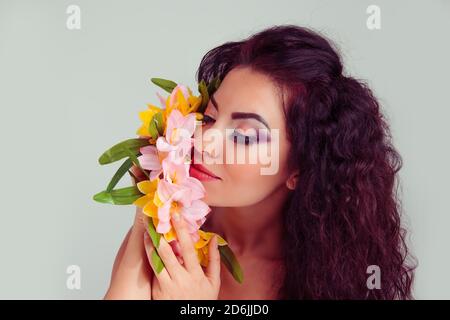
[
  {"x": 156, "y": 289},
  {"x": 170, "y": 264},
  {"x": 188, "y": 252},
  {"x": 213, "y": 268},
  {"x": 163, "y": 277},
  {"x": 176, "y": 249},
  {"x": 140, "y": 223},
  {"x": 168, "y": 257}
]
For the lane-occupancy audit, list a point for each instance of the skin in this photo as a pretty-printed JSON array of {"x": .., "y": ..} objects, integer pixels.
[{"x": 248, "y": 217}]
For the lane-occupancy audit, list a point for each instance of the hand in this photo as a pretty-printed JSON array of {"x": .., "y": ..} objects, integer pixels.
[
  {"x": 132, "y": 276},
  {"x": 186, "y": 280}
]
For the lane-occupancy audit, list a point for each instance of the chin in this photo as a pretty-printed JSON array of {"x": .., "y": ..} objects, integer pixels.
[
  {"x": 207, "y": 199},
  {"x": 213, "y": 201}
]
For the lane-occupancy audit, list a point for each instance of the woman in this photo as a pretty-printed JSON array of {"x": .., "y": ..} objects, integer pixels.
[{"x": 311, "y": 230}]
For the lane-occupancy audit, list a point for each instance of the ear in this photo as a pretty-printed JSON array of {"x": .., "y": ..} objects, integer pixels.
[{"x": 291, "y": 182}]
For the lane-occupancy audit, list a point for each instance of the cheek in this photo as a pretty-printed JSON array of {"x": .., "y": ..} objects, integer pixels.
[
  {"x": 244, "y": 174},
  {"x": 245, "y": 185}
]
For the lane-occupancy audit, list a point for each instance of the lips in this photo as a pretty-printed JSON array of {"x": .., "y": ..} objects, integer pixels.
[
  {"x": 198, "y": 171},
  {"x": 201, "y": 173}
]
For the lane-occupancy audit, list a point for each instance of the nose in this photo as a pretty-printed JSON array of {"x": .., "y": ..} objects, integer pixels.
[{"x": 208, "y": 144}]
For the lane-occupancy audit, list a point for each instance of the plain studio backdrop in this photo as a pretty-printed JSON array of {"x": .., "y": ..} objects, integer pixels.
[{"x": 66, "y": 95}]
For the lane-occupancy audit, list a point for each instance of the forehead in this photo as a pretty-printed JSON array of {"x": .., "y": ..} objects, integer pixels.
[{"x": 246, "y": 90}]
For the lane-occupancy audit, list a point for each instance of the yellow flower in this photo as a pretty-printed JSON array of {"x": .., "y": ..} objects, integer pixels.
[
  {"x": 147, "y": 116},
  {"x": 150, "y": 202},
  {"x": 176, "y": 100},
  {"x": 148, "y": 188},
  {"x": 185, "y": 105},
  {"x": 194, "y": 102},
  {"x": 202, "y": 247},
  {"x": 190, "y": 105}
]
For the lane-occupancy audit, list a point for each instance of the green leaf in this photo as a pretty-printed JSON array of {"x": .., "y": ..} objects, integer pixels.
[
  {"x": 119, "y": 174},
  {"x": 153, "y": 130},
  {"x": 119, "y": 151},
  {"x": 135, "y": 161},
  {"x": 202, "y": 88},
  {"x": 165, "y": 84},
  {"x": 159, "y": 122},
  {"x": 121, "y": 196},
  {"x": 157, "y": 263},
  {"x": 155, "y": 236},
  {"x": 156, "y": 126},
  {"x": 230, "y": 261}
]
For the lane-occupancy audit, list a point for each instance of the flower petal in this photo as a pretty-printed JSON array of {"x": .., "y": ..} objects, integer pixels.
[
  {"x": 150, "y": 210},
  {"x": 154, "y": 174},
  {"x": 197, "y": 210},
  {"x": 166, "y": 190},
  {"x": 149, "y": 162},
  {"x": 163, "y": 226},
  {"x": 164, "y": 212},
  {"x": 142, "y": 201},
  {"x": 171, "y": 235},
  {"x": 162, "y": 100},
  {"x": 163, "y": 145},
  {"x": 196, "y": 187},
  {"x": 145, "y": 187}
]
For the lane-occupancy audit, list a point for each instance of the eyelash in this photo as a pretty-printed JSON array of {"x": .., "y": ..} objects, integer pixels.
[
  {"x": 236, "y": 136},
  {"x": 207, "y": 119},
  {"x": 243, "y": 139}
]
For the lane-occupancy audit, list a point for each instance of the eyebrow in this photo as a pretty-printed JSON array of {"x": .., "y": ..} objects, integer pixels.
[{"x": 242, "y": 115}]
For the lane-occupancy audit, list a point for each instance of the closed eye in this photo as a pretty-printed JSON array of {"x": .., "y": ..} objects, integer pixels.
[
  {"x": 236, "y": 136},
  {"x": 240, "y": 138},
  {"x": 207, "y": 119}
]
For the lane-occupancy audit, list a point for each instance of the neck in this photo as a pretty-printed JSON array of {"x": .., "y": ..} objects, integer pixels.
[{"x": 255, "y": 230}]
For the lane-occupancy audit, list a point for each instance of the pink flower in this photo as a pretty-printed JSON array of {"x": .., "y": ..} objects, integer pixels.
[
  {"x": 177, "y": 175},
  {"x": 178, "y": 193},
  {"x": 161, "y": 100},
  {"x": 178, "y": 201},
  {"x": 173, "y": 95},
  {"x": 149, "y": 160},
  {"x": 178, "y": 138}
]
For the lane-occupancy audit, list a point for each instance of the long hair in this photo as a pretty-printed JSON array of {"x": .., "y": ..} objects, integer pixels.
[{"x": 344, "y": 214}]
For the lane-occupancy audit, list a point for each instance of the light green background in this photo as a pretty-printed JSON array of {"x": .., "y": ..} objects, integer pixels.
[{"x": 65, "y": 96}]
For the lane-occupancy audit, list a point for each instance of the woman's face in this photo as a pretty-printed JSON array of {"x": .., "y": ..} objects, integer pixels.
[{"x": 242, "y": 143}]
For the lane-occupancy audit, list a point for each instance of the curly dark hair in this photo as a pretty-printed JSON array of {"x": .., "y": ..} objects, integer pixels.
[{"x": 344, "y": 214}]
